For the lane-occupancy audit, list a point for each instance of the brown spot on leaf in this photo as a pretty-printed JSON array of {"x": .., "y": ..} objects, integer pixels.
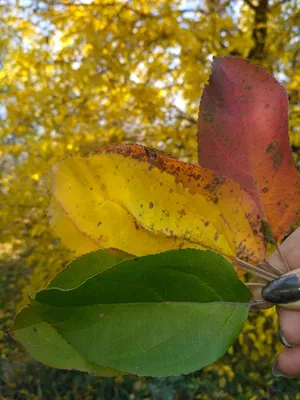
[
  {"x": 265, "y": 190},
  {"x": 217, "y": 181},
  {"x": 216, "y": 237},
  {"x": 166, "y": 213},
  {"x": 276, "y": 154},
  {"x": 150, "y": 205},
  {"x": 224, "y": 219},
  {"x": 206, "y": 223},
  {"x": 208, "y": 117},
  {"x": 277, "y": 158},
  {"x": 272, "y": 146}
]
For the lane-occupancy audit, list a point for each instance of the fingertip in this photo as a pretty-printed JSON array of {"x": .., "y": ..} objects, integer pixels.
[
  {"x": 289, "y": 322},
  {"x": 290, "y": 249},
  {"x": 287, "y": 363}
]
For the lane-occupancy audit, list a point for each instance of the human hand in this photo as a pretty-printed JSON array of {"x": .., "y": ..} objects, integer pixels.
[{"x": 288, "y": 361}]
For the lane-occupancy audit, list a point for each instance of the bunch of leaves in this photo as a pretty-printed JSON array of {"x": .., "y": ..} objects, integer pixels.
[
  {"x": 171, "y": 313},
  {"x": 38, "y": 81}
]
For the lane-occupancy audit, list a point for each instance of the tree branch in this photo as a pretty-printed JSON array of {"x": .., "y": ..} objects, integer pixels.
[
  {"x": 248, "y": 2},
  {"x": 183, "y": 115},
  {"x": 259, "y": 33}
]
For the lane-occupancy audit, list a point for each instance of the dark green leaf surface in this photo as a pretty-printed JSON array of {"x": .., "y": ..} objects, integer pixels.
[{"x": 159, "y": 315}]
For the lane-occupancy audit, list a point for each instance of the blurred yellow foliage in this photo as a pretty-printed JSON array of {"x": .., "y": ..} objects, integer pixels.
[{"x": 75, "y": 75}]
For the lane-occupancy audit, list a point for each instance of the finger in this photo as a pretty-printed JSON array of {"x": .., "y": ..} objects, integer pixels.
[
  {"x": 288, "y": 362},
  {"x": 289, "y": 322},
  {"x": 290, "y": 249}
]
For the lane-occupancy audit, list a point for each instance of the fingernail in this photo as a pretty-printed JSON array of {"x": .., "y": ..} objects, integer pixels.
[
  {"x": 276, "y": 371},
  {"x": 283, "y": 339}
]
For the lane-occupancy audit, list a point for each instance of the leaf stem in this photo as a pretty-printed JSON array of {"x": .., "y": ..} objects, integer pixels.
[
  {"x": 265, "y": 265},
  {"x": 271, "y": 267},
  {"x": 255, "y": 284},
  {"x": 268, "y": 276}
]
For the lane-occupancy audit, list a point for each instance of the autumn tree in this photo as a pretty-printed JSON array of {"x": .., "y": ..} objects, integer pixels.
[{"x": 79, "y": 74}]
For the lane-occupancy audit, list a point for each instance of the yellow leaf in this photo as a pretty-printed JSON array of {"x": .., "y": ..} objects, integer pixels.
[
  {"x": 35, "y": 177},
  {"x": 142, "y": 201},
  {"x": 72, "y": 237}
]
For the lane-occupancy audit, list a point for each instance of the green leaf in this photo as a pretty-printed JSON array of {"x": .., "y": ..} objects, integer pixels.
[
  {"x": 158, "y": 315},
  {"x": 86, "y": 266},
  {"x": 41, "y": 340},
  {"x": 46, "y": 345}
]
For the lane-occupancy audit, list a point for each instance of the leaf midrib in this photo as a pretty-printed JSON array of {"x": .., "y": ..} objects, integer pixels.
[{"x": 227, "y": 303}]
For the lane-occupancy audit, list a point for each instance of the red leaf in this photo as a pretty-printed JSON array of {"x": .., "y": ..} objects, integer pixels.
[{"x": 243, "y": 134}]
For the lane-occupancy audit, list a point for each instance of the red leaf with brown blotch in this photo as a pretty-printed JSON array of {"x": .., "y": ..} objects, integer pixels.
[{"x": 243, "y": 134}]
